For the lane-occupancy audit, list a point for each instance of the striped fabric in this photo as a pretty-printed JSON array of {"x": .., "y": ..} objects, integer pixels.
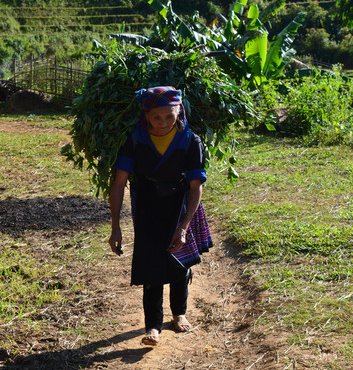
[
  {"x": 198, "y": 240},
  {"x": 160, "y": 96}
]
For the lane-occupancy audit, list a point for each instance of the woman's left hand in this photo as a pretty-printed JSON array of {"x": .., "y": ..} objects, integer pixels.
[{"x": 178, "y": 239}]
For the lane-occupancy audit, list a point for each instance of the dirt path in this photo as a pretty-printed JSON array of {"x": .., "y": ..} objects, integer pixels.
[
  {"x": 223, "y": 308},
  {"x": 101, "y": 326}
]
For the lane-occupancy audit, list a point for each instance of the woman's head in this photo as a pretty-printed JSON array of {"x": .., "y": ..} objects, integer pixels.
[
  {"x": 162, "y": 106},
  {"x": 162, "y": 119}
]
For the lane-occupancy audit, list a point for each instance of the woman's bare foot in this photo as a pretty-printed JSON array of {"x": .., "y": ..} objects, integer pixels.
[
  {"x": 181, "y": 324},
  {"x": 151, "y": 337}
]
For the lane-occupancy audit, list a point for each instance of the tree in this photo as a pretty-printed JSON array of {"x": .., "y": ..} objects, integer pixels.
[
  {"x": 345, "y": 11},
  {"x": 241, "y": 39}
]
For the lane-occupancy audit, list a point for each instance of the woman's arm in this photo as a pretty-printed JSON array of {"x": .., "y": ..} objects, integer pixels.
[
  {"x": 194, "y": 198},
  {"x": 116, "y": 201}
]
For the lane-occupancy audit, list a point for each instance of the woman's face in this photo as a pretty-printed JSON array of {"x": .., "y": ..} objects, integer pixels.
[{"x": 162, "y": 119}]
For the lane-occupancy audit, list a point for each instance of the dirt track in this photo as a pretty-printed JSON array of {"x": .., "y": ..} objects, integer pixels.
[{"x": 223, "y": 306}]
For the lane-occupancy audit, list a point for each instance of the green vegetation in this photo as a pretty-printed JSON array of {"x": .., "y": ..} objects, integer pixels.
[
  {"x": 107, "y": 110},
  {"x": 38, "y": 152},
  {"x": 39, "y": 29},
  {"x": 317, "y": 107},
  {"x": 240, "y": 42},
  {"x": 289, "y": 219},
  {"x": 324, "y": 39},
  {"x": 26, "y": 284},
  {"x": 58, "y": 27}
]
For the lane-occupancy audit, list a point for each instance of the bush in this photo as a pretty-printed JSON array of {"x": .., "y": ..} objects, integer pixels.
[
  {"x": 318, "y": 107},
  {"x": 322, "y": 105},
  {"x": 317, "y": 42}
]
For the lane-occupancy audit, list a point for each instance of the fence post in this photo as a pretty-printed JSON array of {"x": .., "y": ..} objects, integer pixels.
[
  {"x": 14, "y": 71},
  {"x": 71, "y": 81},
  {"x": 31, "y": 73},
  {"x": 55, "y": 76}
]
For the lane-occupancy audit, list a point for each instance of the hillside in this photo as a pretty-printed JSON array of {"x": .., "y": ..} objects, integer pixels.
[{"x": 66, "y": 29}]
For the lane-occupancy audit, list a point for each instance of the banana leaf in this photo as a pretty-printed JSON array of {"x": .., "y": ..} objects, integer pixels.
[
  {"x": 130, "y": 38},
  {"x": 275, "y": 62},
  {"x": 256, "y": 54}
]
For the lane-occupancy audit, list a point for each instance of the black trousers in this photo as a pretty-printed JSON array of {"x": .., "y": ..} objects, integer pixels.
[{"x": 153, "y": 301}]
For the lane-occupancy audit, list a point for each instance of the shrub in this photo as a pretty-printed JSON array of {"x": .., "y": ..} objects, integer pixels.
[
  {"x": 318, "y": 107},
  {"x": 317, "y": 42},
  {"x": 322, "y": 107}
]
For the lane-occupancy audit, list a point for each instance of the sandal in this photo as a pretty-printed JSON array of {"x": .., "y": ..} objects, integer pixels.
[
  {"x": 181, "y": 324},
  {"x": 151, "y": 337}
]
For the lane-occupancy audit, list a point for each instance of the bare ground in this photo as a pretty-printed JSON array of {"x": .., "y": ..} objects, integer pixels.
[{"x": 100, "y": 326}]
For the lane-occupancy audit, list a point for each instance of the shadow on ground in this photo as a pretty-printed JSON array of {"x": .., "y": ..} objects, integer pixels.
[
  {"x": 235, "y": 248},
  {"x": 19, "y": 215},
  {"x": 82, "y": 357}
]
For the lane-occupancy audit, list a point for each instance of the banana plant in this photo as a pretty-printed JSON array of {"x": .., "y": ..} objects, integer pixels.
[{"x": 241, "y": 40}]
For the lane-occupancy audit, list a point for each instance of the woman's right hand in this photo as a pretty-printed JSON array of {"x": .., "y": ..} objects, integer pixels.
[{"x": 115, "y": 241}]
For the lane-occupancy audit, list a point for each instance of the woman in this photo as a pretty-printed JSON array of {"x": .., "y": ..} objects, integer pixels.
[{"x": 164, "y": 161}]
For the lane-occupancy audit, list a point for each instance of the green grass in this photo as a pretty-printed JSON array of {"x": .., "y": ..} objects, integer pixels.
[
  {"x": 289, "y": 216},
  {"x": 50, "y": 120},
  {"x": 32, "y": 161},
  {"x": 26, "y": 284},
  {"x": 290, "y": 213}
]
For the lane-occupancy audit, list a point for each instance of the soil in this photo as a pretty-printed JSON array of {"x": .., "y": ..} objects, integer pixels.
[{"x": 100, "y": 326}]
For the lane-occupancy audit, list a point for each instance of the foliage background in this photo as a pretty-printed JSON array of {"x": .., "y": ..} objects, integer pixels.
[{"x": 324, "y": 38}]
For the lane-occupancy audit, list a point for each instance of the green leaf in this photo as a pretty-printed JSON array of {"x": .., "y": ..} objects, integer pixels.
[
  {"x": 232, "y": 174},
  {"x": 274, "y": 63},
  {"x": 238, "y": 8},
  {"x": 270, "y": 127},
  {"x": 256, "y": 53},
  {"x": 164, "y": 12},
  {"x": 253, "y": 12}
]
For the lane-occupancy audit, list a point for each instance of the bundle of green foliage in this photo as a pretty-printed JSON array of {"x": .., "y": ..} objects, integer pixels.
[{"x": 106, "y": 111}]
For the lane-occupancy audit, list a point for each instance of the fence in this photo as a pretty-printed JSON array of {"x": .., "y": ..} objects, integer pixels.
[{"x": 48, "y": 77}]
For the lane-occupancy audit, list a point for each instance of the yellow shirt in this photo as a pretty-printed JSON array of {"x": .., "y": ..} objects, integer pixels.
[{"x": 162, "y": 142}]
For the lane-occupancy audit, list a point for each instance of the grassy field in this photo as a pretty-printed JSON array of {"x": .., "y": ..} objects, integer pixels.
[
  {"x": 290, "y": 219},
  {"x": 287, "y": 221},
  {"x": 47, "y": 221}
]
